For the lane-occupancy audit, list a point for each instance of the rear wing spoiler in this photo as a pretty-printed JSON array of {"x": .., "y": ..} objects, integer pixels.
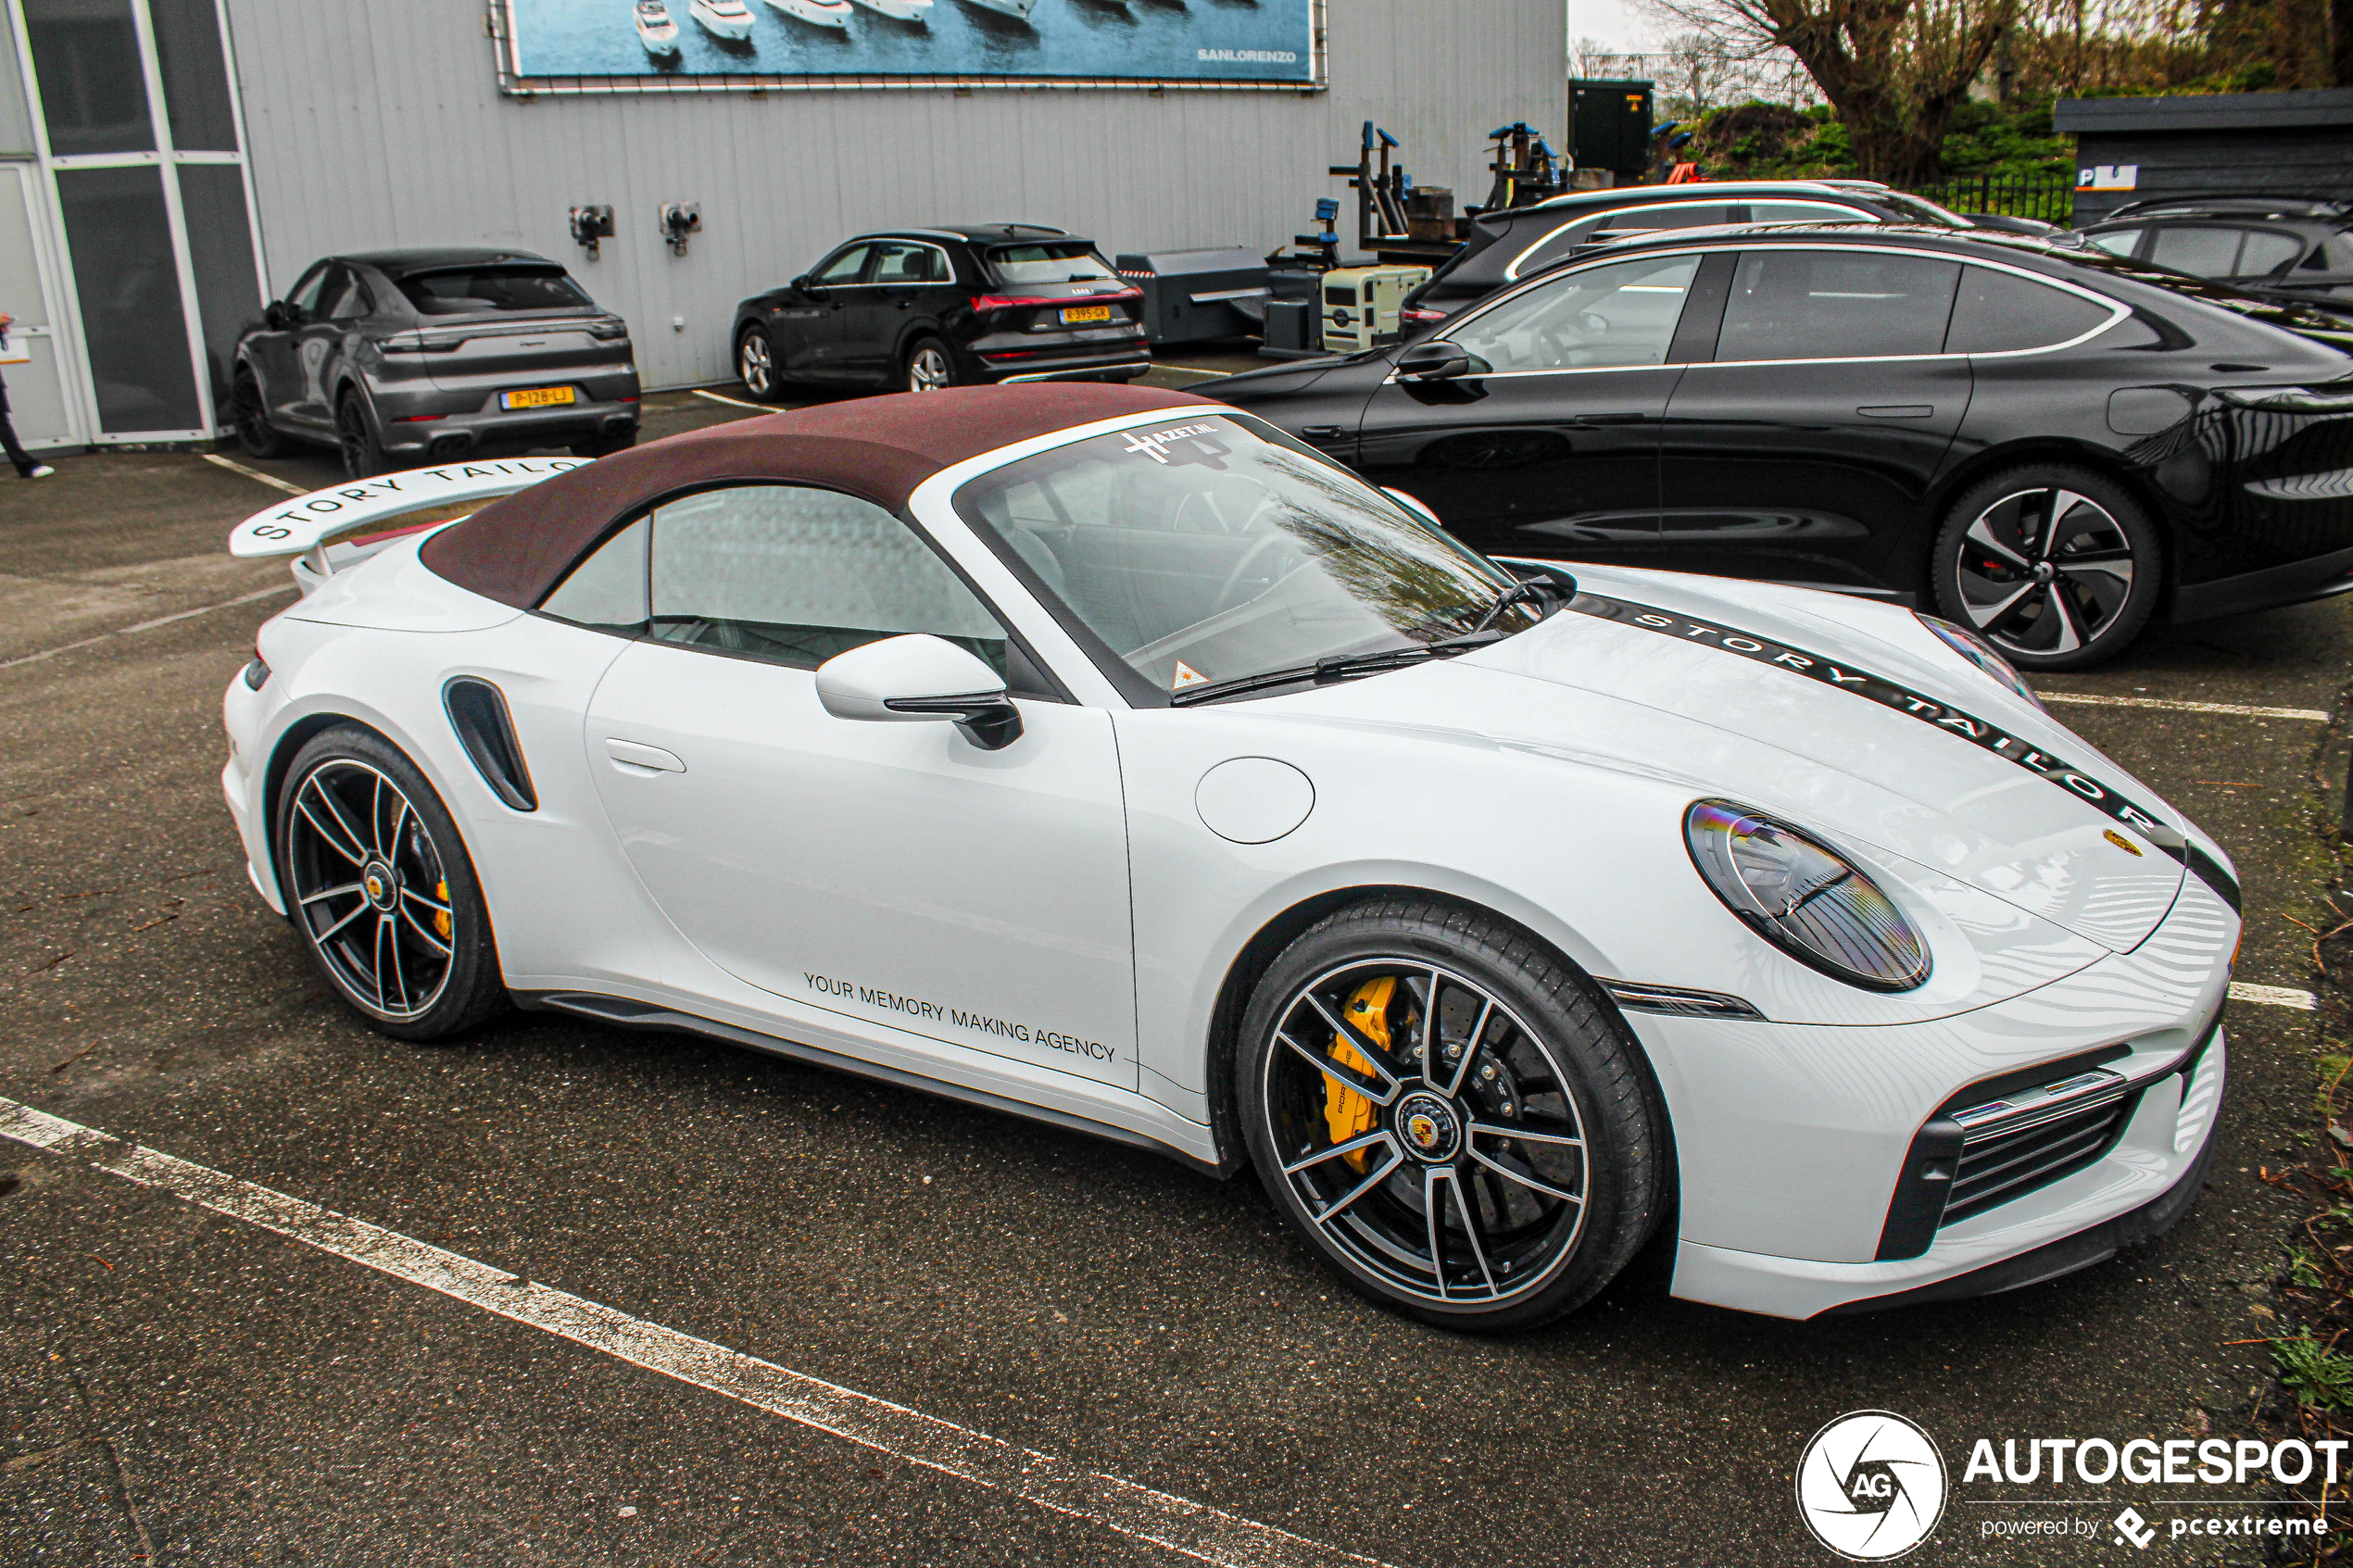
[{"x": 314, "y": 526}]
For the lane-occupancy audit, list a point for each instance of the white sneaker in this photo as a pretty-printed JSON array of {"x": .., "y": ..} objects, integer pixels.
[{"x": 40, "y": 470}]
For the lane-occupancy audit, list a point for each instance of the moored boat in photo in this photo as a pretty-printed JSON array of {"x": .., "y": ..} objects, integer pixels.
[
  {"x": 817, "y": 13},
  {"x": 723, "y": 19},
  {"x": 657, "y": 29}
]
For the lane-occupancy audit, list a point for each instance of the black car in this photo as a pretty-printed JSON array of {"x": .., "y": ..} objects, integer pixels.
[
  {"x": 2277, "y": 247},
  {"x": 917, "y": 309},
  {"x": 1503, "y": 248},
  {"x": 400, "y": 358},
  {"x": 2048, "y": 445}
]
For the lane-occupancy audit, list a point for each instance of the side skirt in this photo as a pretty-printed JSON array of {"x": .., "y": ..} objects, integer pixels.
[{"x": 660, "y": 1020}]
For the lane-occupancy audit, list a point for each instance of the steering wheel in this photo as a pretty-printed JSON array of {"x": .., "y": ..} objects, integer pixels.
[{"x": 1249, "y": 557}]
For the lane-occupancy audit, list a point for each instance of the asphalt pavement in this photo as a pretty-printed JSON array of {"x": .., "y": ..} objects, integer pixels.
[{"x": 181, "y": 1386}]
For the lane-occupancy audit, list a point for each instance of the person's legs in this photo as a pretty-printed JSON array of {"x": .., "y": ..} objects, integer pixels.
[{"x": 25, "y": 461}]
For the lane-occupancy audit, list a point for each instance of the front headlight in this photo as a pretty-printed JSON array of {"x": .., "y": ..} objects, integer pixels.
[
  {"x": 1804, "y": 897},
  {"x": 1980, "y": 652}
]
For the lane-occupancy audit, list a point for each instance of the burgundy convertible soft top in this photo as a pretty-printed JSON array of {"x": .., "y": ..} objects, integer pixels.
[{"x": 878, "y": 448}]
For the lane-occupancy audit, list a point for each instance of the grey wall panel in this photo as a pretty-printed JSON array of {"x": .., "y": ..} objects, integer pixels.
[
  {"x": 16, "y": 115},
  {"x": 2308, "y": 163},
  {"x": 375, "y": 126}
]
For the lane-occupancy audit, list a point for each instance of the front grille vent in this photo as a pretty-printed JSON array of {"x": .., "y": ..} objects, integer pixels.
[{"x": 2008, "y": 1151}]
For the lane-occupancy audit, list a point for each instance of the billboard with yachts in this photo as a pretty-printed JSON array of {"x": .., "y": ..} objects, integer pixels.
[{"x": 636, "y": 45}]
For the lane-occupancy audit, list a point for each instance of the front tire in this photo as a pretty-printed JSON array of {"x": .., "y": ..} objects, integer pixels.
[
  {"x": 2056, "y": 565},
  {"x": 930, "y": 366},
  {"x": 1485, "y": 1164},
  {"x": 363, "y": 454},
  {"x": 381, "y": 888},
  {"x": 250, "y": 413},
  {"x": 756, "y": 366}
]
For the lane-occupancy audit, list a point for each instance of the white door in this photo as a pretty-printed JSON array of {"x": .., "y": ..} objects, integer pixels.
[
  {"x": 893, "y": 872},
  {"x": 41, "y": 412}
]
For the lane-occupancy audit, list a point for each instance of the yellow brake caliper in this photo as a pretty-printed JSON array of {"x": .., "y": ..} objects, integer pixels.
[
  {"x": 1347, "y": 1113},
  {"x": 441, "y": 916}
]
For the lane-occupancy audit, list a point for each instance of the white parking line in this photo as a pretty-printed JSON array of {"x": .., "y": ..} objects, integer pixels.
[
  {"x": 2274, "y": 996},
  {"x": 2175, "y": 705},
  {"x": 148, "y": 625},
  {"x": 1180, "y": 1524},
  {"x": 1190, "y": 370},
  {"x": 740, "y": 403},
  {"x": 270, "y": 480}
]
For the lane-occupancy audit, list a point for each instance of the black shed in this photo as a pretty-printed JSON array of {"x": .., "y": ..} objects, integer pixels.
[{"x": 2275, "y": 143}]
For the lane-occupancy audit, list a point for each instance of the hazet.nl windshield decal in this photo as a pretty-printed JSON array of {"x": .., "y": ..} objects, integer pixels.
[{"x": 1980, "y": 732}]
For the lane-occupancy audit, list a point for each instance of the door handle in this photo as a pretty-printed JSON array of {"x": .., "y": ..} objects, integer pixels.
[
  {"x": 1898, "y": 411},
  {"x": 1320, "y": 433},
  {"x": 1606, "y": 420},
  {"x": 630, "y": 755}
]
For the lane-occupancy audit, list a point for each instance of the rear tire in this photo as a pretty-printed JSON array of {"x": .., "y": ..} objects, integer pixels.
[
  {"x": 2057, "y": 567},
  {"x": 1524, "y": 1118},
  {"x": 249, "y": 413},
  {"x": 928, "y": 366},
  {"x": 381, "y": 888},
  {"x": 356, "y": 439}
]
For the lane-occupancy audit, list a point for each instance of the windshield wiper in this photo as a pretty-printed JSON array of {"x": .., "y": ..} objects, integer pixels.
[
  {"x": 1338, "y": 666},
  {"x": 1519, "y": 592}
]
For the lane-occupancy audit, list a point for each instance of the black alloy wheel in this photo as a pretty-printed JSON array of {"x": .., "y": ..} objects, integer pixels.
[
  {"x": 2056, "y": 567},
  {"x": 756, "y": 365},
  {"x": 250, "y": 414},
  {"x": 381, "y": 890},
  {"x": 1439, "y": 1105},
  {"x": 929, "y": 367},
  {"x": 363, "y": 454}
]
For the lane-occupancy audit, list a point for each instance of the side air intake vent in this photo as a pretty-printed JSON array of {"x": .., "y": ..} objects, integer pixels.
[{"x": 478, "y": 712}]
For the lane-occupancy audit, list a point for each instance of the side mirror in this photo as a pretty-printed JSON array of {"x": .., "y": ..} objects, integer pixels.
[
  {"x": 1433, "y": 359},
  {"x": 276, "y": 317},
  {"x": 916, "y": 677},
  {"x": 1415, "y": 505},
  {"x": 807, "y": 285}
]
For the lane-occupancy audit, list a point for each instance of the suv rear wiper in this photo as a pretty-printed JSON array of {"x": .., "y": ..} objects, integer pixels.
[{"x": 1338, "y": 666}]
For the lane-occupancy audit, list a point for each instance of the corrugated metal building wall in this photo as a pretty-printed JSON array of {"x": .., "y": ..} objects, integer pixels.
[{"x": 374, "y": 126}]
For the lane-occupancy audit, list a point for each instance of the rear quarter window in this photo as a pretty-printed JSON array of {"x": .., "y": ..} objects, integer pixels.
[{"x": 1999, "y": 312}]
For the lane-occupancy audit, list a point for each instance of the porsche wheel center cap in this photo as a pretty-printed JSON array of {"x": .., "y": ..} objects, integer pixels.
[
  {"x": 1429, "y": 1128},
  {"x": 376, "y": 880},
  {"x": 2044, "y": 571}
]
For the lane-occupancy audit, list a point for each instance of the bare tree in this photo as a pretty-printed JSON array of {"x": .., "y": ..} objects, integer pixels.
[
  {"x": 1894, "y": 70},
  {"x": 1698, "y": 74}
]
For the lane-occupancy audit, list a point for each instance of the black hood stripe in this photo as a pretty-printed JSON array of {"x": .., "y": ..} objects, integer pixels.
[{"x": 1980, "y": 732}]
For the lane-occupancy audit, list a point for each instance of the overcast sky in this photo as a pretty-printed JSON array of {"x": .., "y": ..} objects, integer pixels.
[{"x": 1613, "y": 23}]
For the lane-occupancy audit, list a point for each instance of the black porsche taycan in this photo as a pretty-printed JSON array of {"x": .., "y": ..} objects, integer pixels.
[{"x": 2048, "y": 444}]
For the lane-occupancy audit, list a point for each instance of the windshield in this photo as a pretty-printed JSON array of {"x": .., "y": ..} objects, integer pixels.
[
  {"x": 465, "y": 291},
  {"x": 1213, "y": 548},
  {"x": 1067, "y": 261}
]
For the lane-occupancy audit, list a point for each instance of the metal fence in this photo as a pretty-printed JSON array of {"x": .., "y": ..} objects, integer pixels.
[{"x": 2050, "y": 197}]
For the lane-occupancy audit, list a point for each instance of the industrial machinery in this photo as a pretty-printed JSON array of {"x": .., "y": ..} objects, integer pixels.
[
  {"x": 1527, "y": 169},
  {"x": 1609, "y": 128},
  {"x": 1359, "y": 305},
  {"x": 1196, "y": 296}
]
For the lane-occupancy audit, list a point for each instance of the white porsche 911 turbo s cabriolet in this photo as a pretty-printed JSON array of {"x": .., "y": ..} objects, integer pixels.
[{"x": 1105, "y": 756}]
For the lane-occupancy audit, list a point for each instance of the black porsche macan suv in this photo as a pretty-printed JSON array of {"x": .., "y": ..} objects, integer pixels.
[
  {"x": 401, "y": 357},
  {"x": 917, "y": 309},
  {"x": 2048, "y": 445},
  {"x": 2294, "y": 248}
]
